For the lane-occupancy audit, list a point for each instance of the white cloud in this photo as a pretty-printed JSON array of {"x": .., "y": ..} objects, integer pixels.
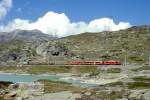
[
  {"x": 107, "y": 24},
  {"x": 60, "y": 24},
  {"x": 5, "y": 5}
]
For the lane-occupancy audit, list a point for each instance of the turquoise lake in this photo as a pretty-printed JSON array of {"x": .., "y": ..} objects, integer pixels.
[{"x": 31, "y": 78}]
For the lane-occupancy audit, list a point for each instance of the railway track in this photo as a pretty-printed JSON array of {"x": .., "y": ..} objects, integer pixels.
[{"x": 68, "y": 65}]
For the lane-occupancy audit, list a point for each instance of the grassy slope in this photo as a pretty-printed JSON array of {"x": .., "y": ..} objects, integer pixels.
[
  {"x": 57, "y": 86},
  {"x": 50, "y": 69},
  {"x": 133, "y": 42}
]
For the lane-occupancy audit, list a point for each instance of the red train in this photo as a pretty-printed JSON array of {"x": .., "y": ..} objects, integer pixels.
[{"x": 110, "y": 62}]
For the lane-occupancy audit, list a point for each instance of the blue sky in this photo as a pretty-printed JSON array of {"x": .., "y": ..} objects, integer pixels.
[
  {"x": 69, "y": 17},
  {"x": 134, "y": 11}
]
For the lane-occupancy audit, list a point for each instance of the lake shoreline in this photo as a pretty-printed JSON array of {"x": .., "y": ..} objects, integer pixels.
[
  {"x": 29, "y": 78},
  {"x": 47, "y": 74}
]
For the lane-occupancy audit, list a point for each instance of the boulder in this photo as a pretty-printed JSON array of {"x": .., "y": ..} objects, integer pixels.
[
  {"x": 146, "y": 95},
  {"x": 139, "y": 94}
]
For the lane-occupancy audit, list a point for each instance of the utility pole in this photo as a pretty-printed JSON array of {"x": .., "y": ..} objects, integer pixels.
[
  {"x": 149, "y": 60},
  {"x": 125, "y": 60},
  {"x": 125, "y": 57}
]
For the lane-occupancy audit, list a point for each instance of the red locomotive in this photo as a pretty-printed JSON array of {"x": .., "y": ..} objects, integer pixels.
[{"x": 110, "y": 62}]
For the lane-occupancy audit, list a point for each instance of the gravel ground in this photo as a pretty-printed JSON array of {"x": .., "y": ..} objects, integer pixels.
[{"x": 65, "y": 95}]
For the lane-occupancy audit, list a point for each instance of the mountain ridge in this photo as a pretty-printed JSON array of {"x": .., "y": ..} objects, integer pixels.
[
  {"x": 134, "y": 43},
  {"x": 25, "y": 35}
]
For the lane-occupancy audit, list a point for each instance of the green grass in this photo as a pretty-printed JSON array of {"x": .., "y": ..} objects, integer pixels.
[
  {"x": 115, "y": 83},
  {"x": 89, "y": 69},
  {"x": 142, "y": 79},
  {"x": 113, "y": 70},
  {"x": 36, "y": 69},
  {"x": 57, "y": 86},
  {"x": 52, "y": 69},
  {"x": 141, "y": 68},
  {"x": 1, "y": 98},
  {"x": 8, "y": 68},
  {"x": 48, "y": 69},
  {"x": 140, "y": 82},
  {"x": 136, "y": 85}
]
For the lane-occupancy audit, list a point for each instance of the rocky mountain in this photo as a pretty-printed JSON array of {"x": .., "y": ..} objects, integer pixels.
[
  {"x": 24, "y": 35},
  {"x": 131, "y": 45},
  {"x": 20, "y": 44}
]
